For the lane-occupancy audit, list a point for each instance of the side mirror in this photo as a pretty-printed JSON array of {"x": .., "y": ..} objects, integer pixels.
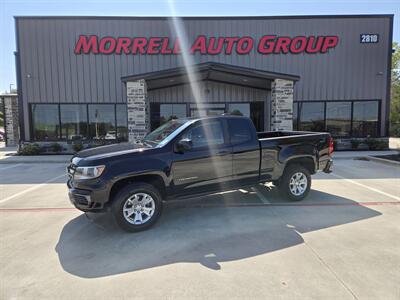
[{"x": 183, "y": 145}]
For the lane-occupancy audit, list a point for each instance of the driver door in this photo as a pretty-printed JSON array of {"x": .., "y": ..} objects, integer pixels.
[{"x": 207, "y": 166}]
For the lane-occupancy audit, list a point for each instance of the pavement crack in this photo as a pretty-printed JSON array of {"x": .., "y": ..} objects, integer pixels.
[
  {"x": 328, "y": 268},
  {"x": 345, "y": 286}
]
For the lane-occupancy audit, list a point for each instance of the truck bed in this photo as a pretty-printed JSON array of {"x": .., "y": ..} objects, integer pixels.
[{"x": 278, "y": 147}]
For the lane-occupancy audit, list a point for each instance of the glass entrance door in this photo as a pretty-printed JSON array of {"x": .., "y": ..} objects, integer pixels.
[
  {"x": 253, "y": 110},
  {"x": 207, "y": 109}
]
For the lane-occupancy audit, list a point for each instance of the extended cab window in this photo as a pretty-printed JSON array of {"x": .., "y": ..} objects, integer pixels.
[
  {"x": 209, "y": 134},
  {"x": 239, "y": 131}
]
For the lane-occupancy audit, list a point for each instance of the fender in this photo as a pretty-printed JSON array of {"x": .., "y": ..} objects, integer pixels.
[{"x": 136, "y": 167}]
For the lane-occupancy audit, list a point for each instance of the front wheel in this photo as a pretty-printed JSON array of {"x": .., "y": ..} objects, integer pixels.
[
  {"x": 137, "y": 207},
  {"x": 295, "y": 183}
]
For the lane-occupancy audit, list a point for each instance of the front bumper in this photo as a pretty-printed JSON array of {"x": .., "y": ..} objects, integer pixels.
[{"x": 85, "y": 200}]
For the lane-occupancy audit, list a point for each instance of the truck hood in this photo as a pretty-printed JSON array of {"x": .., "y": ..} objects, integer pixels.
[{"x": 111, "y": 150}]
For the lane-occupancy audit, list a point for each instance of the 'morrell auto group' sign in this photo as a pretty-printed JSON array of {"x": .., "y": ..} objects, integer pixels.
[{"x": 268, "y": 44}]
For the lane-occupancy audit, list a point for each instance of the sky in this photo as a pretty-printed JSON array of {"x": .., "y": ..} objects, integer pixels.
[{"x": 11, "y": 8}]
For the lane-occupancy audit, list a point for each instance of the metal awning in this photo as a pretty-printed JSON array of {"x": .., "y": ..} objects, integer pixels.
[{"x": 212, "y": 71}]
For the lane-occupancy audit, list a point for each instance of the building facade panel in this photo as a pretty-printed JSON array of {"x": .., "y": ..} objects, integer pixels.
[{"x": 52, "y": 73}]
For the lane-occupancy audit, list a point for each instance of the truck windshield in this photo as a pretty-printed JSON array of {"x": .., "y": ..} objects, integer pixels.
[{"x": 161, "y": 134}]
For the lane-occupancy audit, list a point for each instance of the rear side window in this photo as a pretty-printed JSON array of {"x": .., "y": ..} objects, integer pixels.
[
  {"x": 239, "y": 131},
  {"x": 209, "y": 134}
]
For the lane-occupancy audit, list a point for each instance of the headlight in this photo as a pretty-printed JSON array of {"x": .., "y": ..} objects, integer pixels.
[{"x": 88, "y": 172}]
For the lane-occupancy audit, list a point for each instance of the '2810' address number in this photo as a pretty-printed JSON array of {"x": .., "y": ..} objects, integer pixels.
[{"x": 369, "y": 38}]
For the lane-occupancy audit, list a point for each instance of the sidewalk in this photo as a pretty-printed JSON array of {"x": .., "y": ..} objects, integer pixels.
[
  {"x": 357, "y": 154},
  {"x": 36, "y": 159},
  {"x": 7, "y": 156}
]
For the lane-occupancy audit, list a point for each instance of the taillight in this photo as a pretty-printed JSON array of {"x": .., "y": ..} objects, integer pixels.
[{"x": 330, "y": 141}]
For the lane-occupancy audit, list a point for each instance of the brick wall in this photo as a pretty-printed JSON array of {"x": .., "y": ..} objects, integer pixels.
[
  {"x": 11, "y": 119},
  {"x": 138, "y": 110},
  {"x": 281, "y": 105}
]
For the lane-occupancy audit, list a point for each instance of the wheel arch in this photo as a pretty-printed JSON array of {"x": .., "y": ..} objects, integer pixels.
[
  {"x": 306, "y": 161},
  {"x": 155, "y": 180}
]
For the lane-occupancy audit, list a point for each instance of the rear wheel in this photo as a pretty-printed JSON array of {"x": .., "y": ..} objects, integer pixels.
[
  {"x": 295, "y": 183},
  {"x": 137, "y": 207}
]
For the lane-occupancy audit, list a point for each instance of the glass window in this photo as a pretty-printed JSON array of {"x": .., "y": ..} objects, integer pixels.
[
  {"x": 208, "y": 134},
  {"x": 164, "y": 133},
  {"x": 239, "y": 131},
  {"x": 102, "y": 121},
  {"x": 172, "y": 111},
  {"x": 73, "y": 121},
  {"x": 122, "y": 122},
  {"x": 338, "y": 118},
  {"x": 295, "y": 116},
  {"x": 312, "y": 116},
  {"x": 257, "y": 114},
  {"x": 365, "y": 118},
  {"x": 239, "y": 109},
  {"x": 154, "y": 115},
  {"x": 207, "y": 109},
  {"x": 46, "y": 122}
]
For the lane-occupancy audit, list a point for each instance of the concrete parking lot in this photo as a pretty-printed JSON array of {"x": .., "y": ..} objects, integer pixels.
[{"x": 342, "y": 242}]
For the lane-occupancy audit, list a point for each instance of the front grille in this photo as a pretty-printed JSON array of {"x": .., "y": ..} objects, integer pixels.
[{"x": 80, "y": 199}]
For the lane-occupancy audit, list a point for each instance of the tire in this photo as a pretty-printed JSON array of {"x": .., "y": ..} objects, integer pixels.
[
  {"x": 137, "y": 207},
  {"x": 295, "y": 183}
]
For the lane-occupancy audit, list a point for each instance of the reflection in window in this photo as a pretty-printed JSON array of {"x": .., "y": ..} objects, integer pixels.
[
  {"x": 312, "y": 116},
  {"x": 73, "y": 121},
  {"x": 102, "y": 121},
  {"x": 365, "y": 118},
  {"x": 172, "y": 111},
  {"x": 239, "y": 131},
  {"x": 46, "y": 123},
  {"x": 338, "y": 118},
  {"x": 257, "y": 114},
  {"x": 206, "y": 135},
  {"x": 295, "y": 116},
  {"x": 239, "y": 109},
  {"x": 122, "y": 122}
]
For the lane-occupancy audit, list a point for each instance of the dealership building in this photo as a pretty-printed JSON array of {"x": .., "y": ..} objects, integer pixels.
[{"x": 116, "y": 78}]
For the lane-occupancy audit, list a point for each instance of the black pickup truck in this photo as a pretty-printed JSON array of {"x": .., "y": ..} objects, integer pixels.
[{"x": 190, "y": 157}]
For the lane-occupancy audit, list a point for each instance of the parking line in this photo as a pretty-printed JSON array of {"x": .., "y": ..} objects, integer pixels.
[
  {"x": 32, "y": 188},
  {"x": 366, "y": 186},
  {"x": 283, "y": 204},
  {"x": 260, "y": 195},
  {"x": 9, "y": 167}
]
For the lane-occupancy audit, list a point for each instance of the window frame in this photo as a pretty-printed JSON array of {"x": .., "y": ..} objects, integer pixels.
[
  {"x": 227, "y": 107},
  {"x": 159, "y": 110},
  {"x": 115, "y": 120},
  {"x": 224, "y": 126},
  {"x": 155, "y": 119},
  {"x": 61, "y": 123},
  {"x": 350, "y": 120},
  {"x": 378, "y": 127},
  {"x": 299, "y": 112},
  {"x": 86, "y": 139},
  {"x": 252, "y": 135},
  {"x": 379, "y": 119},
  {"x": 155, "y": 110},
  {"x": 32, "y": 121}
]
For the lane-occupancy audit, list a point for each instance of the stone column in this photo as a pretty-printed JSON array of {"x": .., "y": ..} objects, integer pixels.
[
  {"x": 11, "y": 119},
  {"x": 281, "y": 105},
  {"x": 138, "y": 110}
]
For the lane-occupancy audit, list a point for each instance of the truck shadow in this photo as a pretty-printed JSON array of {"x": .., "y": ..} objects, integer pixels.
[{"x": 95, "y": 247}]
